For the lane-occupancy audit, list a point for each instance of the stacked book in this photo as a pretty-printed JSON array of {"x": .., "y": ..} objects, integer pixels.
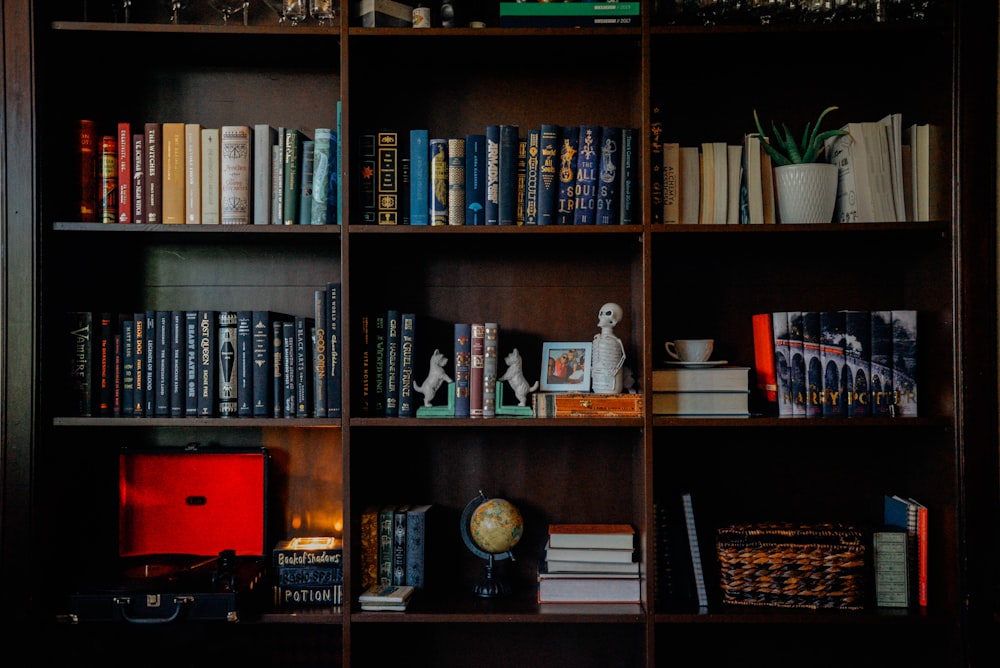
[
  {"x": 309, "y": 572},
  {"x": 712, "y": 389},
  {"x": 386, "y": 597},
  {"x": 589, "y": 563},
  {"x": 573, "y": 14}
]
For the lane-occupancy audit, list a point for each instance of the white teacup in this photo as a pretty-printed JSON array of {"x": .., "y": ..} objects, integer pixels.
[{"x": 690, "y": 350}]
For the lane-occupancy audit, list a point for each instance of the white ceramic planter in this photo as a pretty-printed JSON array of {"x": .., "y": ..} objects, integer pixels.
[{"x": 806, "y": 193}]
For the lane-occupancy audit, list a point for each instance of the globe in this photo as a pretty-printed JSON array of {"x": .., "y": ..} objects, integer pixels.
[
  {"x": 496, "y": 526},
  {"x": 490, "y": 529}
]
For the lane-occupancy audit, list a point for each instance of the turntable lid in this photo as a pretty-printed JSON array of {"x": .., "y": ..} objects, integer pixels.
[{"x": 192, "y": 502}]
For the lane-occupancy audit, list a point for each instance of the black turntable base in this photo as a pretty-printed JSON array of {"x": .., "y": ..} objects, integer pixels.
[{"x": 172, "y": 588}]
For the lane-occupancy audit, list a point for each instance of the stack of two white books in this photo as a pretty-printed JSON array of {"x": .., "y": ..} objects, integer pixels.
[
  {"x": 704, "y": 389},
  {"x": 589, "y": 563}
]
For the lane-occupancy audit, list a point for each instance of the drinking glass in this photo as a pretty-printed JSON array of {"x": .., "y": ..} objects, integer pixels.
[
  {"x": 276, "y": 7},
  {"x": 229, "y": 7},
  {"x": 324, "y": 11},
  {"x": 176, "y": 7},
  {"x": 294, "y": 11}
]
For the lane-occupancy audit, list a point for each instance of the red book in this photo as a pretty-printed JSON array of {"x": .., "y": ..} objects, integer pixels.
[
  {"x": 124, "y": 172},
  {"x": 87, "y": 148},
  {"x": 476, "y": 369},
  {"x": 763, "y": 355},
  {"x": 138, "y": 178},
  {"x": 921, "y": 553}
]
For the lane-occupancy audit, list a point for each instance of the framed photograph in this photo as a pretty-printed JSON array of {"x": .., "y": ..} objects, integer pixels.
[{"x": 566, "y": 366}]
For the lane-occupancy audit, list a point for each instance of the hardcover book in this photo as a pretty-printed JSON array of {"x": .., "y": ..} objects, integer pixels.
[
  {"x": 628, "y": 185},
  {"x": 310, "y": 552},
  {"x": 107, "y": 180},
  {"x": 289, "y": 372},
  {"x": 226, "y": 369},
  {"x": 154, "y": 169},
  {"x": 423, "y": 536},
  {"x": 293, "y": 596},
  {"x": 163, "y": 346},
  {"x": 380, "y": 354},
  {"x": 244, "y": 363},
  {"x": 693, "y": 404},
  {"x": 391, "y": 375},
  {"x": 407, "y": 350},
  {"x": 797, "y": 363},
  {"x": 192, "y": 173},
  {"x": 569, "y": 14},
  {"x": 369, "y": 547},
  {"x": 207, "y": 388},
  {"x": 291, "y": 188},
  {"x": 566, "y": 197},
  {"x": 521, "y": 170},
  {"x": 589, "y": 554},
  {"x": 80, "y": 339},
  {"x": 303, "y": 366},
  {"x": 656, "y": 163},
  {"x": 607, "y": 589},
  {"x": 904, "y": 362},
  {"x": 532, "y": 173},
  {"x": 835, "y": 378},
  {"x": 492, "y": 207},
  {"x": 882, "y": 393},
  {"x": 456, "y": 181},
  {"x": 765, "y": 374},
  {"x": 150, "y": 373},
  {"x": 306, "y": 181},
  {"x": 211, "y": 176},
  {"x": 477, "y": 342},
  {"x": 278, "y": 178},
  {"x": 671, "y": 152},
  {"x": 324, "y": 165},
  {"x": 262, "y": 338},
  {"x": 87, "y": 147},
  {"x": 173, "y": 174},
  {"x": 367, "y": 170},
  {"x": 575, "y": 567},
  {"x": 191, "y": 363},
  {"x": 609, "y": 167},
  {"x": 507, "y": 175},
  {"x": 265, "y": 138},
  {"x": 686, "y": 379},
  {"x": 689, "y": 185},
  {"x": 438, "y": 194},
  {"x": 891, "y": 575},
  {"x": 491, "y": 351},
  {"x": 139, "y": 340},
  {"x": 419, "y": 176},
  {"x": 399, "y": 539},
  {"x": 463, "y": 368},
  {"x": 602, "y": 535},
  {"x": 587, "y": 165},
  {"x": 235, "y": 174},
  {"x": 387, "y": 182},
  {"x": 475, "y": 179},
  {"x": 125, "y": 171},
  {"x": 386, "y": 516},
  {"x": 586, "y": 404},
  {"x": 278, "y": 367},
  {"x": 138, "y": 196},
  {"x": 782, "y": 363},
  {"x": 814, "y": 390},
  {"x": 334, "y": 371},
  {"x": 178, "y": 362},
  {"x": 857, "y": 356}
]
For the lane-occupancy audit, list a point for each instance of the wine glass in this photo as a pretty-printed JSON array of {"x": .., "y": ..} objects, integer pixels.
[
  {"x": 324, "y": 11},
  {"x": 294, "y": 11},
  {"x": 176, "y": 6},
  {"x": 229, "y": 7},
  {"x": 276, "y": 7}
]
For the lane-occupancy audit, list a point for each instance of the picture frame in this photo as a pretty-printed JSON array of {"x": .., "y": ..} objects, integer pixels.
[{"x": 565, "y": 366}]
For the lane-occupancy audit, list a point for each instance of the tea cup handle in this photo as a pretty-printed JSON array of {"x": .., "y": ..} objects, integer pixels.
[{"x": 671, "y": 350}]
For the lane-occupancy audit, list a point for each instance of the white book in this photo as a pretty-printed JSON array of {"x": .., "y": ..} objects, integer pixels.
[
  {"x": 235, "y": 174},
  {"x": 734, "y": 404},
  {"x": 192, "y": 173},
  {"x": 854, "y": 193},
  {"x": 211, "y": 156},
  {"x": 752, "y": 178},
  {"x": 589, "y": 590},
  {"x": 879, "y": 171},
  {"x": 618, "y": 536},
  {"x": 893, "y": 124},
  {"x": 589, "y": 554},
  {"x": 689, "y": 185},
  {"x": 558, "y": 566}
]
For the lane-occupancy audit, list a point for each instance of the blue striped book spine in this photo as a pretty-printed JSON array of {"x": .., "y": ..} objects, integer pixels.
[
  {"x": 419, "y": 177},
  {"x": 475, "y": 179}
]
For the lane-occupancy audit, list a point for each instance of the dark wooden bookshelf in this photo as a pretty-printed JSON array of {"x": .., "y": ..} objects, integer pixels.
[{"x": 540, "y": 284}]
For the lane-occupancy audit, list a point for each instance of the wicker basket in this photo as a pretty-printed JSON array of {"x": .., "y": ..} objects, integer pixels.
[{"x": 792, "y": 566}]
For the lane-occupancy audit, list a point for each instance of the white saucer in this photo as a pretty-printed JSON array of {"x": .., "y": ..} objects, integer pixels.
[{"x": 696, "y": 365}]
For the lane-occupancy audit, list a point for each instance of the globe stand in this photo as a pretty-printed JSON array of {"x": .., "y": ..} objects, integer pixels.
[{"x": 489, "y": 586}]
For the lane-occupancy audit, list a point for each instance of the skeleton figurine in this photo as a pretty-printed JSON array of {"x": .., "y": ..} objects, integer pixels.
[{"x": 608, "y": 353}]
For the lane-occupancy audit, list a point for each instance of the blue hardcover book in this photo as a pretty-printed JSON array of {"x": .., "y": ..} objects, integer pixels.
[
  {"x": 507, "y": 178},
  {"x": 392, "y": 338},
  {"x": 334, "y": 372},
  {"x": 419, "y": 176},
  {"x": 262, "y": 337},
  {"x": 323, "y": 162},
  {"x": 227, "y": 367},
  {"x": 150, "y": 374},
  {"x": 629, "y": 183},
  {"x": 475, "y": 179},
  {"x": 857, "y": 357},
  {"x": 585, "y": 188},
  {"x": 463, "y": 367},
  {"x": 532, "y": 174},
  {"x": 306, "y": 187},
  {"x": 566, "y": 197},
  {"x": 320, "y": 364},
  {"x": 609, "y": 166},
  {"x": 244, "y": 363},
  {"x": 548, "y": 173},
  {"x": 882, "y": 394},
  {"x": 208, "y": 333},
  {"x": 191, "y": 363},
  {"x": 834, "y": 388},
  {"x": 492, "y": 206},
  {"x": 178, "y": 363},
  {"x": 437, "y": 195},
  {"x": 422, "y": 536},
  {"x": 139, "y": 338},
  {"x": 161, "y": 403},
  {"x": 407, "y": 350}
]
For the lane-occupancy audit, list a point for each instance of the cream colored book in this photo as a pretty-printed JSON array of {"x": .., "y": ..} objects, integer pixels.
[
  {"x": 689, "y": 185},
  {"x": 192, "y": 173},
  {"x": 210, "y": 181},
  {"x": 734, "y": 164}
]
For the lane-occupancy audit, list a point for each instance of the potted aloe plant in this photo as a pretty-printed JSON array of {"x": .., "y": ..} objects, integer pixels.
[{"x": 805, "y": 183}]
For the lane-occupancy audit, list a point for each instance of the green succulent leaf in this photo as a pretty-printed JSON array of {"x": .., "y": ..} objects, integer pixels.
[{"x": 783, "y": 148}]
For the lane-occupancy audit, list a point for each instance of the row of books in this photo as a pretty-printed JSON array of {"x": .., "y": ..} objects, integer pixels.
[
  {"x": 589, "y": 563},
  {"x": 185, "y": 173},
  {"x": 901, "y": 553},
  {"x": 886, "y": 173},
  {"x": 845, "y": 363},
  {"x": 546, "y": 175},
  {"x": 308, "y": 571},
  {"x": 206, "y": 363},
  {"x": 698, "y": 391},
  {"x": 396, "y": 543}
]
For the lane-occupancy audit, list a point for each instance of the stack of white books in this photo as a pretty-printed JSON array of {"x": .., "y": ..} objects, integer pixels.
[
  {"x": 709, "y": 389},
  {"x": 589, "y": 563}
]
